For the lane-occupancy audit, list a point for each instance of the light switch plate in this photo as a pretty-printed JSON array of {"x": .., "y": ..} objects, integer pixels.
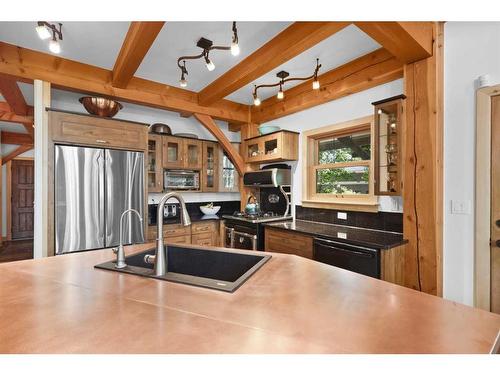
[
  {"x": 460, "y": 207},
  {"x": 342, "y": 215}
]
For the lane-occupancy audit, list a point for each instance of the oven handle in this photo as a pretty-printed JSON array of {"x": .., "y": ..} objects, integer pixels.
[
  {"x": 253, "y": 237},
  {"x": 231, "y": 237},
  {"x": 322, "y": 241}
]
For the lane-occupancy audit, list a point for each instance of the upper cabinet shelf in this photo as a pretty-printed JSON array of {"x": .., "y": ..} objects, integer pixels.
[
  {"x": 282, "y": 145},
  {"x": 388, "y": 129}
]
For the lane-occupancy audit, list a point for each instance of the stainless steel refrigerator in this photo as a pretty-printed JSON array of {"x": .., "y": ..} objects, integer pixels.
[{"x": 93, "y": 187}]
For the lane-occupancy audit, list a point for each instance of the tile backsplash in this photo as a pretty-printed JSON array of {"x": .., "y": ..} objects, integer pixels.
[{"x": 389, "y": 221}]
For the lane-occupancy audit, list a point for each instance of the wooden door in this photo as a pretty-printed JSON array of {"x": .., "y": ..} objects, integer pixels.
[
  {"x": 22, "y": 197},
  {"x": 173, "y": 152},
  {"x": 495, "y": 204}
]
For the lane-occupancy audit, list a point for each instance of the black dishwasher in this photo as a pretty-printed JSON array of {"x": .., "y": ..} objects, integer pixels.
[{"x": 358, "y": 259}]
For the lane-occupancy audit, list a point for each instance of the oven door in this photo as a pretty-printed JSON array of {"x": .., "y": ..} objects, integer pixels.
[
  {"x": 358, "y": 259},
  {"x": 240, "y": 240}
]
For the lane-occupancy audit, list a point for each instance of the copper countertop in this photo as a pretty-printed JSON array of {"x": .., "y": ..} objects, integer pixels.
[{"x": 291, "y": 305}]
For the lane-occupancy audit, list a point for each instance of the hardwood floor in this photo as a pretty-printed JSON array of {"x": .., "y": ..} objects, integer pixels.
[{"x": 16, "y": 250}]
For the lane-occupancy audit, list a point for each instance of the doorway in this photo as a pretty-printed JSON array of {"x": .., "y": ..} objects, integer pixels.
[{"x": 21, "y": 199}]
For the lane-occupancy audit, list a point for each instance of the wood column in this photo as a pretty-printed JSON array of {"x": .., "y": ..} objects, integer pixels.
[
  {"x": 423, "y": 170},
  {"x": 42, "y": 240}
]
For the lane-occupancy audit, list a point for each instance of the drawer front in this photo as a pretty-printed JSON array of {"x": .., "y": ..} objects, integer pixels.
[
  {"x": 288, "y": 243},
  {"x": 119, "y": 135},
  {"x": 171, "y": 230},
  {"x": 178, "y": 239},
  {"x": 203, "y": 239},
  {"x": 204, "y": 227}
]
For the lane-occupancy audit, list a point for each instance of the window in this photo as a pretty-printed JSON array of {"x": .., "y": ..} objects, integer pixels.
[
  {"x": 228, "y": 172},
  {"x": 338, "y": 165}
]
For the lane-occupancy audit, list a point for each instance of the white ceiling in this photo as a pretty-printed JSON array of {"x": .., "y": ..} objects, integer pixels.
[
  {"x": 178, "y": 39},
  {"x": 94, "y": 43},
  {"x": 98, "y": 43}
]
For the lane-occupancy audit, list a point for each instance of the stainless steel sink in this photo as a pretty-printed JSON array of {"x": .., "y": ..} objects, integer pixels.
[{"x": 215, "y": 269}]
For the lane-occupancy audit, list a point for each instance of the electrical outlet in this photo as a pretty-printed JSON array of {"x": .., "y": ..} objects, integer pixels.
[
  {"x": 460, "y": 207},
  {"x": 342, "y": 235},
  {"x": 342, "y": 215}
]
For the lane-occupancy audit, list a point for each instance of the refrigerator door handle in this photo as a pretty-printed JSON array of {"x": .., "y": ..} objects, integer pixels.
[{"x": 100, "y": 183}]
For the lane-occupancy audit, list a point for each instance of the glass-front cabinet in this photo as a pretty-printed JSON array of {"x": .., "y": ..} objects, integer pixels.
[
  {"x": 154, "y": 166},
  {"x": 278, "y": 146},
  {"x": 173, "y": 152},
  {"x": 193, "y": 154},
  {"x": 209, "y": 179},
  {"x": 388, "y": 128}
]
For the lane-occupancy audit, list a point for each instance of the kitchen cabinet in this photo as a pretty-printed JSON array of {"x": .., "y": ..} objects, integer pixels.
[
  {"x": 282, "y": 145},
  {"x": 173, "y": 152},
  {"x": 286, "y": 242},
  {"x": 387, "y": 145},
  {"x": 86, "y": 130},
  {"x": 192, "y": 154},
  {"x": 203, "y": 233},
  {"x": 172, "y": 233},
  {"x": 227, "y": 173},
  {"x": 209, "y": 173},
  {"x": 154, "y": 164}
]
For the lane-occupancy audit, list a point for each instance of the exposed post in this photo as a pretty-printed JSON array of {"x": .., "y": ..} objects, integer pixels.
[{"x": 41, "y": 219}]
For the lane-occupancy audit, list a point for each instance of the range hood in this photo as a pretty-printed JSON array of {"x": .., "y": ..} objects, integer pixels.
[{"x": 272, "y": 177}]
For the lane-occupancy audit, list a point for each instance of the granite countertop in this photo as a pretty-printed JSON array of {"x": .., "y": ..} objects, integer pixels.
[
  {"x": 62, "y": 304},
  {"x": 352, "y": 235}
]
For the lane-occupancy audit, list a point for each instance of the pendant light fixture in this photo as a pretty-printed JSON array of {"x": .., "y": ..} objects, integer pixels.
[
  {"x": 46, "y": 30},
  {"x": 207, "y": 45},
  {"x": 283, "y": 76}
]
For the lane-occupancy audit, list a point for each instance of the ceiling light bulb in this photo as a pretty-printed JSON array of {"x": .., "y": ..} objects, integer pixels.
[
  {"x": 235, "y": 49},
  {"x": 54, "y": 46},
  {"x": 281, "y": 94},
  {"x": 183, "y": 82},
  {"x": 43, "y": 32},
  {"x": 315, "y": 84},
  {"x": 256, "y": 101},
  {"x": 210, "y": 65}
]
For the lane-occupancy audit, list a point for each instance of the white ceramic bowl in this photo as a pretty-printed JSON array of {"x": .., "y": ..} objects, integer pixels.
[{"x": 209, "y": 211}]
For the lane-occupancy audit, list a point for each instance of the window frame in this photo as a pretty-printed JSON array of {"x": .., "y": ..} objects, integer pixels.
[{"x": 310, "y": 141}]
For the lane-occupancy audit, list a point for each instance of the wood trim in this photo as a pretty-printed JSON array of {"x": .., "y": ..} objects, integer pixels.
[
  {"x": 423, "y": 174},
  {"x": 407, "y": 41},
  {"x": 8, "y": 197},
  {"x": 392, "y": 264},
  {"x": 140, "y": 36},
  {"x": 18, "y": 151},
  {"x": 26, "y": 65},
  {"x": 12, "y": 138},
  {"x": 347, "y": 206},
  {"x": 7, "y": 115},
  {"x": 212, "y": 127},
  {"x": 365, "y": 72},
  {"x": 291, "y": 42},
  {"x": 15, "y": 99},
  {"x": 482, "y": 218}
]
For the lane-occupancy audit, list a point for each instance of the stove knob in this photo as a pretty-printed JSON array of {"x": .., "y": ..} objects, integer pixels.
[{"x": 242, "y": 239}]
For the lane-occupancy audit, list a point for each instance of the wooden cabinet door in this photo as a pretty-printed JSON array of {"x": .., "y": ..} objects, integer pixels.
[
  {"x": 22, "y": 198},
  {"x": 210, "y": 178},
  {"x": 173, "y": 152},
  {"x": 287, "y": 242},
  {"x": 155, "y": 164},
  {"x": 192, "y": 154}
]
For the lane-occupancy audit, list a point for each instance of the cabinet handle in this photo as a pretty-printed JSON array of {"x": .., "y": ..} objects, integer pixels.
[{"x": 101, "y": 141}]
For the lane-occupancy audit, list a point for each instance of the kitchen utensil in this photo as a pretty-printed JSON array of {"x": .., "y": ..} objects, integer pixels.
[
  {"x": 159, "y": 128},
  {"x": 266, "y": 129},
  {"x": 100, "y": 106},
  {"x": 186, "y": 135}
]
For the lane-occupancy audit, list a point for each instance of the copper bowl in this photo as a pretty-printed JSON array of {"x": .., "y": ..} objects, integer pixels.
[{"x": 100, "y": 106}]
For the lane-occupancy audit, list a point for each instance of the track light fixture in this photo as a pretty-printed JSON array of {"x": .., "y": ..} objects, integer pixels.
[
  {"x": 46, "y": 30},
  {"x": 283, "y": 76},
  {"x": 207, "y": 46}
]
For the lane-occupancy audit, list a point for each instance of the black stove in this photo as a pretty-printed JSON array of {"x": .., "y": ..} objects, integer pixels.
[{"x": 261, "y": 217}]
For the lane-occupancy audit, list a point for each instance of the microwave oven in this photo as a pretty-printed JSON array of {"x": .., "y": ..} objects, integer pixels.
[{"x": 181, "y": 180}]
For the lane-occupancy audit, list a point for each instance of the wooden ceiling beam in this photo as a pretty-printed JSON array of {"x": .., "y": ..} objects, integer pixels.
[
  {"x": 26, "y": 65},
  {"x": 7, "y": 115},
  {"x": 138, "y": 41},
  {"x": 214, "y": 129},
  {"x": 292, "y": 41},
  {"x": 365, "y": 72},
  {"x": 13, "y": 95},
  {"x": 407, "y": 41},
  {"x": 11, "y": 138},
  {"x": 18, "y": 151}
]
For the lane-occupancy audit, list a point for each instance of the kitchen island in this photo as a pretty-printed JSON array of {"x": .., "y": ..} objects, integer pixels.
[{"x": 63, "y": 304}]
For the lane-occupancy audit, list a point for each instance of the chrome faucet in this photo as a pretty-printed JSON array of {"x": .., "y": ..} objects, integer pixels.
[
  {"x": 120, "y": 251},
  {"x": 161, "y": 256}
]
